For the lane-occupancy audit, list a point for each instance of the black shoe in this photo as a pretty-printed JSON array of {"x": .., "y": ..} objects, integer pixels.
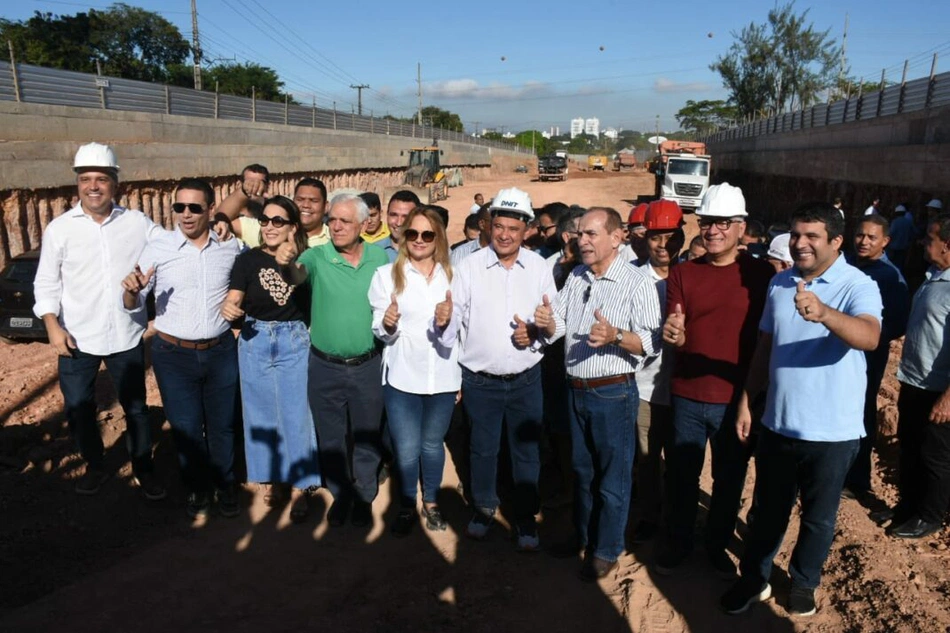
[
  {"x": 801, "y": 601},
  {"x": 596, "y": 568},
  {"x": 644, "y": 532},
  {"x": 362, "y": 514},
  {"x": 198, "y": 505},
  {"x": 338, "y": 512},
  {"x": 882, "y": 516},
  {"x": 526, "y": 537},
  {"x": 914, "y": 528},
  {"x": 669, "y": 560},
  {"x": 434, "y": 520},
  {"x": 152, "y": 488},
  {"x": 847, "y": 493},
  {"x": 91, "y": 481},
  {"x": 743, "y": 595},
  {"x": 228, "y": 505},
  {"x": 403, "y": 523},
  {"x": 722, "y": 563}
]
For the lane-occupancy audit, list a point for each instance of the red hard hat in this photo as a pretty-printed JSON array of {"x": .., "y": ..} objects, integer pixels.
[
  {"x": 663, "y": 215},
  {"x": 638, "y": 214}
]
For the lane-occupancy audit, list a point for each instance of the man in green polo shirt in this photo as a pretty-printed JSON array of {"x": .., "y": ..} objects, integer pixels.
[{"x": 345, "y": 379}]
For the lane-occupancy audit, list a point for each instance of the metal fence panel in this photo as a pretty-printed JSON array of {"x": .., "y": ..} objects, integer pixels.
[
  {"x": 892, "y": 97},
  {"x": 192, "y": 102},
  {"x": 941, "y": 91},
  {"x": 231, "y": 107},
  {"x": 124, "y": 94}
]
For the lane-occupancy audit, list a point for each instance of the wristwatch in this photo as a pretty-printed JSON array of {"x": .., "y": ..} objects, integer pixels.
[{"x": 619, "y": 338}]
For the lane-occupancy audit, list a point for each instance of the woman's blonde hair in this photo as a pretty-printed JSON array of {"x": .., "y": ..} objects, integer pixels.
[{"x": 441, "y": 255}]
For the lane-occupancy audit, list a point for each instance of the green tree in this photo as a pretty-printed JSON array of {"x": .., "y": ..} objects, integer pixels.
[
  {"x": 583, "y": 144},
  {"x": 437, "y": 117},
  {"x": 244, "y": 80},
  {"x": 703, "y": 117},
  {"x": 777, "y": 65},
  {"x": 126, "y": 41},
  {"x": 532, "y": 139},
  {"x": 493, "y": 136}
]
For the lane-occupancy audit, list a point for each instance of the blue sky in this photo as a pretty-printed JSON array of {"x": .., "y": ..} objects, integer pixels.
[{"x": 526, "y": 65}]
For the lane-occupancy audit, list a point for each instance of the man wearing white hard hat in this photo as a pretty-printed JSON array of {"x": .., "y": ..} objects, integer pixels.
[
  {"x": 778, "y": 254},
  {"x": 496, "y": 290},
  {"x": 86, "y": 252},
  {"x": 713, "y": 306}
]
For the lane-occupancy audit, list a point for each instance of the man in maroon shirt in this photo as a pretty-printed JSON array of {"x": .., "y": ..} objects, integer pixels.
[{"x": 714, "y": 304}]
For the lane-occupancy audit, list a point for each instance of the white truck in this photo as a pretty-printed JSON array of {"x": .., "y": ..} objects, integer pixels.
[{"x": 682, "y": 173}]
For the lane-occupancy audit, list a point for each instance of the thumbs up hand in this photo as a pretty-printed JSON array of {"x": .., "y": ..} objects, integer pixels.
[
  {"x": 544, "y": 316},
  {"x": 602, "y": 332},
  {"x": 391, "y": 317},
  {"x": 286, "y": 252},
  {"x": 808, "y": 304},
  {"x": 443, "y": 310},
  {"x": 521, "y": 336},
  {"x": 674, "y": 330}
]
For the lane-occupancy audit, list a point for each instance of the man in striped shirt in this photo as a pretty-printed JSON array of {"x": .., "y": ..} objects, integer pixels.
[{"x": 609, "y": 314}]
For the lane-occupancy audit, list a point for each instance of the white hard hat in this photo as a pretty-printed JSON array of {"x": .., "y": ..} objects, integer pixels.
[
  {"x": 935, "y": 204},
  {"x": 778, "y": 249},
  {"x": 870, "y": 210},
  {"x": 95, "y": 155},
  {"x": 723, "y": 201},
  {"x": 900, "y": 209},
  {"x": 513, "y": 200}
]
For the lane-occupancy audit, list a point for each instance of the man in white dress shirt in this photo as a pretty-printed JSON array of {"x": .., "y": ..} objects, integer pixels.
[
  {"x": 494, "y": 290},
  {"x": 85, "y": 254},
  {"x": 194, "y": 352},
  {"x": 609, "y": 314}
]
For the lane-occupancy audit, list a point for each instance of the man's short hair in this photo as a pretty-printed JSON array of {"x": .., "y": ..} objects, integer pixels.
[
  {"x": 404, "y": 195},
  {"x": 613, "y": 221},
  {"x": 196, "y": 184},
  {"x": 442, "y": 212},
  {"x": 553, "y": 210},
  {"x": 943, "y": 226},
  {"x": 568, "y": 223},
  {"x": 821, "y": 212},
  {"x": 362, "y": 211},
  {"x": 878, "y": 219},
  {"x": 471, "y": 222},
  {"x": 371, "y": 199},
  {"x": 837, "y": 201},
  {"x": 256, "y": 168},
  {"x": 754, "y": 228},
  {"x": 312, "y": 182}
]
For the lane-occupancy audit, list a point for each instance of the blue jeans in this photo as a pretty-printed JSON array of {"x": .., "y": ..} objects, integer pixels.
[
  {"x": 77, "y": 381},
  {"x": 603, "y": 441},
  {"x": 280, "y": 443},
  {"x": 516, "y": 405},
  {"x": 695, "y": 423},
  {"x": 418, "y": 424},
  {"x": 199, "y": 393},
  {"x": 785, "y": 469}
]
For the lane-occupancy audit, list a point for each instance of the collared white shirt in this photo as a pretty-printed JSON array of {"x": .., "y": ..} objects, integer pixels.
[
  {"x": 653, "y": 378},
  {"x": 627, "y": 298},
  {"x": 487, "y": 296},
  {"x": 79, "y": 278},
  {"x": 419, "y": 357},
  {"x": 464, "y": 250},
  {"x": 190, "y": 284}
]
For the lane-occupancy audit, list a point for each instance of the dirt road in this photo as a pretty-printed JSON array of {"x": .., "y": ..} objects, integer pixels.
[{"x": 116, "y": 562}]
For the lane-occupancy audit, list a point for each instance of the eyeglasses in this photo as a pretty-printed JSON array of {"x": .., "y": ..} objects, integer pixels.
[
  {"x": 277, "y": 221},
  {"x": 194, "y": 207},
  {"x": 545, "y": 229},
  {"x": 722, "y": 225},
  {"x": 412, "y": 235}
]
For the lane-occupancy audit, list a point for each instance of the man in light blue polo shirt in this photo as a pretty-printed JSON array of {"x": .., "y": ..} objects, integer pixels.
[{"x": 819, "y": 319}]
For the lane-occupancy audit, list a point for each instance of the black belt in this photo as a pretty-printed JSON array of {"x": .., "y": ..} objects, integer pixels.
[
  {"x": 352, "y": 361},
  {"x": 502, "y": 377},
  {"x": 593, "y": 383}
]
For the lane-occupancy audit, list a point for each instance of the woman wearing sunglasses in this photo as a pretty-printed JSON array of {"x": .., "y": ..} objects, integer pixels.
[
  {"x": 280, "y": 443},
  {"x": 412, "y": 315}
]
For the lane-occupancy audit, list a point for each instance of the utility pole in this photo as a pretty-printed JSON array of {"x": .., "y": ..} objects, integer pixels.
[
  {"x": 419, "y": 81},
  {"x": 196, "y": 43},
  {"x": 359, "y": 96},
  {"x": 844, "y": 45}
]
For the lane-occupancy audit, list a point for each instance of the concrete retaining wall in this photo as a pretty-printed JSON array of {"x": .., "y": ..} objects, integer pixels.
[{"x": 155, "y": 150}]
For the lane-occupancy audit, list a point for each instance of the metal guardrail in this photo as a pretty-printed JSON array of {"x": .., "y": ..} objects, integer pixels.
[
  {"x": 52, "y": 86},
  {"x": 907, "y": 96}
]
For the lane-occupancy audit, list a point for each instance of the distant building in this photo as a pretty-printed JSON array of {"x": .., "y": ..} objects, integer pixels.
[
  {"x": 611, "y": 133},
  {"x": 577, "y": 127},
  {"x": 546, "y": 134},
  {"x": 554, "y": 131},
  {"x": 592, "y": 127}
]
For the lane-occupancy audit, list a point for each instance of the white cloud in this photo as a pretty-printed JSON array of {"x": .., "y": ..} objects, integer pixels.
[
  {"x": 664, "y": 85},
  {"x": 471, "y": 89}
]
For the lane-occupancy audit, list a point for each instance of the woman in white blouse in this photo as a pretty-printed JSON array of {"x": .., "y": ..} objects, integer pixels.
[{"x": 412, "y": 315}]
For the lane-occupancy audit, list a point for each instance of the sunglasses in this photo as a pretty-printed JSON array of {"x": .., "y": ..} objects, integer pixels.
[
  {"x": 545, "y": 229},
  {"x": 194, "y": 207},
  {"x": 412, "y": 235},
  {"x": 277, "y": 221}
]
